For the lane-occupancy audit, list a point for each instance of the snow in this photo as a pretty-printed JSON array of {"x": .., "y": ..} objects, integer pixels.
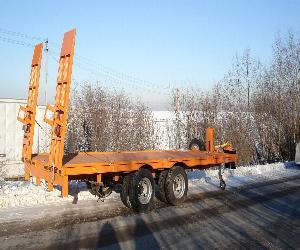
[
  {"x": 22, "y": 194},
  {"x": 208, "y": 180}
]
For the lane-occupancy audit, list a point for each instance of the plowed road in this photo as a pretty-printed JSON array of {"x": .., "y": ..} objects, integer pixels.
[{"x": 264, "y": 214}]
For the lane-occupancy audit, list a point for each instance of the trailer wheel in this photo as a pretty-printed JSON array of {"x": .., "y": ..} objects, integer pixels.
[
  {"x": 141, "y": 191},
  {"x": 197, "y": 144},
  {"x": 124, "y": 195},
  {"x": 161, "y": 186},
  {"x": 90, "y": 188},
  {"x": 176, "y": 185}
]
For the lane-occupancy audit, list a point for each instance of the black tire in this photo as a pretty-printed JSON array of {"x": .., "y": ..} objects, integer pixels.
[
  {"x": 124, "y": 194},
  {"x": 135, "y": 189},
  {"x": 161, "y": 186},
  {"x": 197, "y": 144},
  {"x": 90, "y": 188},
  {"x": 169, "y": 185}
]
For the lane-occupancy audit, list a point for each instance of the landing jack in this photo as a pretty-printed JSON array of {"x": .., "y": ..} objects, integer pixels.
[{"x": 222, "y": 182}]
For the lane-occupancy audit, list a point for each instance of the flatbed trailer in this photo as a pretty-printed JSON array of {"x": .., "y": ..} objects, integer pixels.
[{"x": 136, "y": 171}]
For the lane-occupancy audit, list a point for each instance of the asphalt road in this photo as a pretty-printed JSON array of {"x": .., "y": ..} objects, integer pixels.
[{"x": 262, "y": 215}]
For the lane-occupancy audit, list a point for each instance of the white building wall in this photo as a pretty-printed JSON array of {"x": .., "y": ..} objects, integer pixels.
[
  {"x": 11, "y": 133},
  {"x": 2, "y": 129},
  {"x": 163, "y": 122}
]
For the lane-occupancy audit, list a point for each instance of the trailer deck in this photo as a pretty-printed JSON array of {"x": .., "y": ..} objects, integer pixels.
[{"x": 126, "y": 161}]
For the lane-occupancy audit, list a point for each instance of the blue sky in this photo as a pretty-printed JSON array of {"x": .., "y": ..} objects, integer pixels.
[{"x": 160, "y": 43}]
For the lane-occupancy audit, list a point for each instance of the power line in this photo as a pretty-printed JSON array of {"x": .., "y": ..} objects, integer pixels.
[
  {"x": 19, "y": 34},
  {"x": 111, "y": 72},
  {"x": 119, "y": 74},
  {"x": 115, "y": 79},
  {"x": 93, "y": 67},
  {"x": 13, "y": 41},
  {"x": 119, "y": 79},
  {"x": 86, "y": 60}
]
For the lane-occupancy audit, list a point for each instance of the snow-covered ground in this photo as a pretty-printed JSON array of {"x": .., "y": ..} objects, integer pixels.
[{"x": 22, "y": 194}]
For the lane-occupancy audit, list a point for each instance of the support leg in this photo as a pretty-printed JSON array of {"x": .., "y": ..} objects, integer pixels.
[
  {"x": 65, "y": 190},
  {"x": 222, "y": 182}
]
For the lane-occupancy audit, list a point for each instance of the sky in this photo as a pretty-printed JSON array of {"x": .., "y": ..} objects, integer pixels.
[{"x": 142, "y": 47}]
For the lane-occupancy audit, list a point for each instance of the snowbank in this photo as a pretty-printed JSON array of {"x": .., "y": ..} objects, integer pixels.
[
  {"x": 269, "y": 170},
  {"x": 20, "y": 193}
]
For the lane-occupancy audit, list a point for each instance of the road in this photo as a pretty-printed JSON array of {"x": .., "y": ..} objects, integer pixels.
[{"x": 264, "y": 214}]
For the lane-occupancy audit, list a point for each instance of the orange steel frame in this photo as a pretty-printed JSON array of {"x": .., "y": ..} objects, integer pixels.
[
  {"x": 57, "y": 168},
  {"x": 27, "y": 114}
]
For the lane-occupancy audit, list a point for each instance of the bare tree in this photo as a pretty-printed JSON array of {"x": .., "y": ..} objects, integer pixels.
[
  {"x": 100, "y": 120},
  {"x": 254, "y": 106}
]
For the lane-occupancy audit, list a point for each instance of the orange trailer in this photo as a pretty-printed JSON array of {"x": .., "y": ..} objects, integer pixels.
[{"x": 137, "y": 171}]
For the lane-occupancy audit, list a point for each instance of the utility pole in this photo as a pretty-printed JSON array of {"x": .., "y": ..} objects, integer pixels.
[
  {"x": 177, "y": 100},
  {"x": 46, "y": 70},
  {"x": 248, "y": 86},
  {"x": 247, "y": 79},
  {"x": 296, "y": 108},
  {"x": 177, "y": 118},
  {"x": 46, "y": 89}
]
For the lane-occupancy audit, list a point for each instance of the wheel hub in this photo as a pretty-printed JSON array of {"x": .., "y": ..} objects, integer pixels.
[
  {"x": 144, "y": 190},
  {"x": 179, "y": 186}
]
